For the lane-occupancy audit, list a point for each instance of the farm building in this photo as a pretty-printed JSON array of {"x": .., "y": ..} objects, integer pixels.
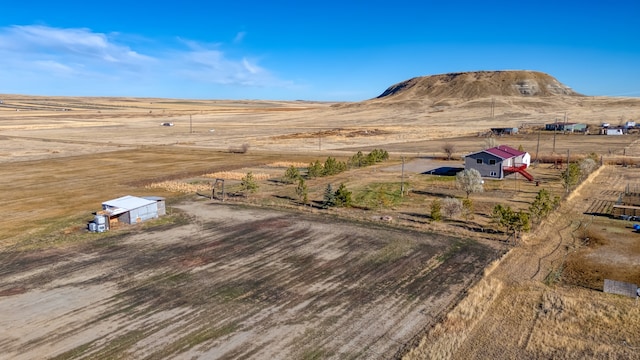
[
  {"x": 504, "y": 131},
  {"x": 498, "y": 162},
  {"x": 613, "y": 131},
  {"x": 128, "y": 210},
  {"x": 569, "y": 127}
]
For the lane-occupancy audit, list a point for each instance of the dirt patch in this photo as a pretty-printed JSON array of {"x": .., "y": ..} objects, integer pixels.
[
  {"x": 347, "y": 133},
  {"x": 238, "y": 282}
]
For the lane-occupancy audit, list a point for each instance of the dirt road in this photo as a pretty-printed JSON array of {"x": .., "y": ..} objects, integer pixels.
[{"x": 521, "y": 317}]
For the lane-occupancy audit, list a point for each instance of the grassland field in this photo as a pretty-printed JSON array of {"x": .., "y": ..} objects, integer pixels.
[{"x": 263, "y": 275}]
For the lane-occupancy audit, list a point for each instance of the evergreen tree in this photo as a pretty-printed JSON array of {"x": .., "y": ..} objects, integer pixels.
[
  {"x": 329, "y": 197},
  {"x": 248, "y": 184},
  {"x": 467, "y": 209},
  {"x": 436, "y": 210},
  {"x": 513, "y": 222},
  {"x": 302, "y": 191},
  {"x": 291, "y": 174},
  {"x": 315, "y": 169},
  {"x": 570, "y": 176},
  {"x": 358, "y": 160},
  {"x": 343, "y": 196},
  {"x": 542, "y": 205}
]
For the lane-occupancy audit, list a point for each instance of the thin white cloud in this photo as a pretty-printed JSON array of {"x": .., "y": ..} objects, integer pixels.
[
  {"x": 78, "y": 43},
  {"x": 53, "y": 67},
  {"x": 89, "y": 60},
  {"x": 239, "y": 37}
]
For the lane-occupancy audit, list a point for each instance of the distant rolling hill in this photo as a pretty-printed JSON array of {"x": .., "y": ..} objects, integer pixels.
[{"x": 476, "y": 85}]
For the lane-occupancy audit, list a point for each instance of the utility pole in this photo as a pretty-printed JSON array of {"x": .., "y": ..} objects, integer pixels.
[
  {"x": 538, "y": 147},
  {"x": 402, "y": 181},
  {"x": 555, "y": 130},
  {"x": 493, "y": 106},
  {"x": 320, "y": 140}
]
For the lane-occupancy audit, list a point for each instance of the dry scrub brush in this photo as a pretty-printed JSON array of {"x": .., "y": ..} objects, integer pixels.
[
  {"x": 286, "y": 164},
  {"x": 445, "y": 338},
  {"x": 235, "y": 175},
  {"x": 585, "y": 324},
  {"x": 177, "y": 186}
]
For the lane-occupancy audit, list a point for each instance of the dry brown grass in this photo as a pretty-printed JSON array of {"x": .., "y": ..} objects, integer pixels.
[
  {"x": 446, "y": 337},
  {"x": 286, "y": 164},
  {"x": 51, "y": 169},
  {"x": 180, "y": 187},
  {"x": 235, "y": 175}
]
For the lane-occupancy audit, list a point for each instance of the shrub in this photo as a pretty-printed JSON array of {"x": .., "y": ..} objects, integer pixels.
[
  {"x": 451, "y": 207},
  {"x": 470, "y": 181},
  {"x": 467, "y": 209},
  {"x": 436, "y": 208}
]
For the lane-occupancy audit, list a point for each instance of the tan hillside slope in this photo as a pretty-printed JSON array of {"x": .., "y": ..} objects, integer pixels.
[{"x": 478, "y": 84}]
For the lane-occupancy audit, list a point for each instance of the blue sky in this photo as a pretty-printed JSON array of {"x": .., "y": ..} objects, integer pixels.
[{"x": 315, "y": 50}]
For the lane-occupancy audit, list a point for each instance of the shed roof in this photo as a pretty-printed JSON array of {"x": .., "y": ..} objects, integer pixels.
[
  {"x": 127, "y": 202},
  {"x": 504, "y": 152}
]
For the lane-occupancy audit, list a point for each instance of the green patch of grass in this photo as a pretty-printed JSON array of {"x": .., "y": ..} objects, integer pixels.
[
  {"x": 231, "y": 292},
  {"x": 314, "y": 354},
  {"x": 75, "y": 352},
  {"x": 73, "y": 230},
  {"x": 379, "y": 195},
  {"x": 456, "y": 246},
  {"x": 439, "y": 179},
  {"x": 391, "y": 252},
  {"x": 116, "y": 348},
  {"x": 554, "y": 276},
  {"x": 193, "y": 339}
]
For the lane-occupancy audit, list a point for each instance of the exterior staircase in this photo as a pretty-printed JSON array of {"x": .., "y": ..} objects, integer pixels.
[{"x": 521, "y": 169}]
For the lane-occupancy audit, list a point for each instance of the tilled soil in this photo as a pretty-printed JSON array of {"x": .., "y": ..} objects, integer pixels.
[{"x": 235, "y": 282}]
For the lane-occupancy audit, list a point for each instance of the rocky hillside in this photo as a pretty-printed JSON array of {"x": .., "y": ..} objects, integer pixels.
[{"x": 478, "y": 84}]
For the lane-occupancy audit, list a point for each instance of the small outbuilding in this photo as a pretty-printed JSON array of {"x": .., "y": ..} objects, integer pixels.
[
  {"x": 131, "y": 209},
  {"x": 127, "y": 210},
  {"x": 505, "y": 131},
  {"x": 566, "y": 127},
  {"x": 614, "y": 131}
]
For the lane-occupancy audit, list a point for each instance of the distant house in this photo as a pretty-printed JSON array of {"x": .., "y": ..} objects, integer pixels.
[
  {"x": 498, "y": 162},
  {"x": 568, "y": 127},
  {"x": 504, "y": 131},
  {"x": 614, "y": 131}
]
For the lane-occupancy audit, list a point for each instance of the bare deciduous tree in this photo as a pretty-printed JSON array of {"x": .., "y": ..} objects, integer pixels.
[
  {"x": 448, "y": 149},
  {"x": 451, "y": 207}
]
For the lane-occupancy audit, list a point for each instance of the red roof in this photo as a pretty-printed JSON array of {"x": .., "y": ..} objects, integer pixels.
[{"x": 505, "y": 152}]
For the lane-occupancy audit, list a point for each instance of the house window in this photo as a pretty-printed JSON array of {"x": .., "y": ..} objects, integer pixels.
[
  {"x": 493, "y": 173},
  {"x": 479, "y": 161},
  {"x": 492, "y": 161}
]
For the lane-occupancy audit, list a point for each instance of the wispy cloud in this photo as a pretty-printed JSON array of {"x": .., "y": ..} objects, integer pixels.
[
  {"x": 239, "y": 37},
  {"x": 70, "y": 46},
  {"x": 80, "y": 56}
]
